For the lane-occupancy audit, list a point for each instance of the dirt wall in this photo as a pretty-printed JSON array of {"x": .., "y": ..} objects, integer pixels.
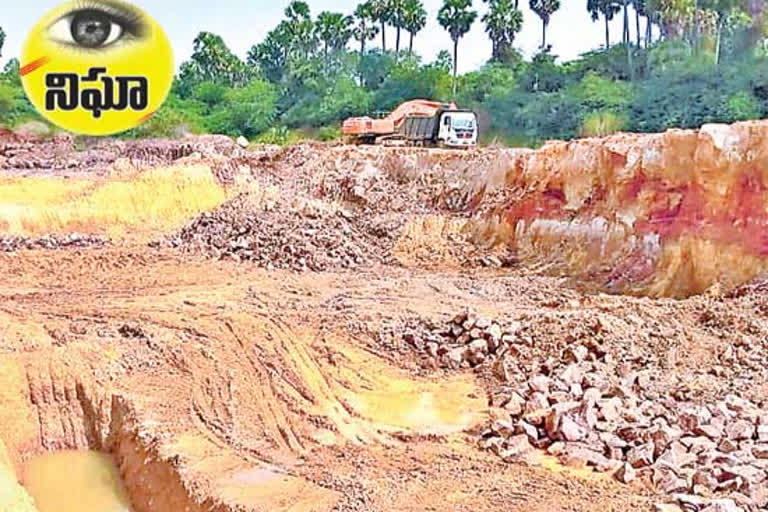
[{"x": 661, "y": 214}]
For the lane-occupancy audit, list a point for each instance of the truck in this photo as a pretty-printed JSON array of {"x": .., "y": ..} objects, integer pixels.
[{"x": 417, "y": 123}]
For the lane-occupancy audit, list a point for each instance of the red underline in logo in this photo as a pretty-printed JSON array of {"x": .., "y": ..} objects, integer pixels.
[
  {"x": 146, "y": 117},
  {"x": 34, "y": 65}
]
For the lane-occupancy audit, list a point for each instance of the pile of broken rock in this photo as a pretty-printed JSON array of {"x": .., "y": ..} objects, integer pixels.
[
  {"x": 589, "y": 412},
  {"x": 681, "y": 447},
  {"x": 468, "y": 341}
]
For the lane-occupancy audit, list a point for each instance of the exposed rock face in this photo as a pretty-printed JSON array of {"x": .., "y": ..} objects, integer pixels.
[{"x": 660, "y": 214}]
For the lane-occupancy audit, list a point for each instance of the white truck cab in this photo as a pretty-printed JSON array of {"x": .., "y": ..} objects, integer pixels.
[{"x": 458, "y": 129}]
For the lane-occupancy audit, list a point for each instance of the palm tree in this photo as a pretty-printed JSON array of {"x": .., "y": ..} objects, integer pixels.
[
  {"x": 502, "y": 23},
  {"x": 609, "y": 9},
  {"x": 365, "y": 30},
  {"x": 396, "y": 17},
  {"x": 299, "y": 27},
  {"x": 639, "y": 6},
  {"x": 414, "y": 19},
  {"x": 457, "y": 17},
  {"x": 380, "y": 13},
  {"x": 544, "y": 9},
  {"x": 334, "y": 30}
]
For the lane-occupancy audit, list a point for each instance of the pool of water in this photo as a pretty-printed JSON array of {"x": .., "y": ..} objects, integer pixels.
[{"x": 75, "y": 481}]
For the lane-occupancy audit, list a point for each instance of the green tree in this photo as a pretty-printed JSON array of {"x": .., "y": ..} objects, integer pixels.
[
  {"x": 643, "y": 8},
  {"x": 414, "y": 19},
  {"x": 608, "y": 9},
  {"x": 2, "y": 40},
  {"x": 271, "y": 56},
  {"x": 246, "y": 111},
  {"x": 300, "y": 30},
  {"x": 212, "y": 61},
  {"x": 365, "y": 29},
  {"x": 457, "y": 17},
  {"x": 544, "y": 9},
  {"x": 380, "y": 12},
  {"x": 673, "y": 16},
  {"x": 503, "y": 21},
  {"x": 723, "y": 8},
  {"x": 334, "y": 30},
  {"x": 11, "y": 72}
]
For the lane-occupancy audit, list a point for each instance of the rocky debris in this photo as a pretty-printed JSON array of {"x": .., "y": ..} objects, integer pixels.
[
  {"x": 295, "y": 237},
  {"x": 65, "y": 154},
  {"x": 598, "y": 400},
  {"x": 468, "y": 340},
  {"x": 677, "y": 445},
  {"x": 9, "y": 243},
  {"x": 393, "y": 180}
]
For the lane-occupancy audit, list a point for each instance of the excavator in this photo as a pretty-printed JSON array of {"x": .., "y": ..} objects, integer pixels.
[{"x": 417, "y": 123}]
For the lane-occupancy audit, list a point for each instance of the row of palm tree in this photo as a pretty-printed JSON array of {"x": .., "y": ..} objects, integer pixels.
[
  {"x": 503, "y": 21},
  {"x": 373, "y": 16}
]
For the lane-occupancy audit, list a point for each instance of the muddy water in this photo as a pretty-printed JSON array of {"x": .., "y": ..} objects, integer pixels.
[{"x": 75, "y": 481}]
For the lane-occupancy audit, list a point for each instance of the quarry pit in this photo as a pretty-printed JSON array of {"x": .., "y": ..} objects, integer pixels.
[{"x": 328, "y": 327}]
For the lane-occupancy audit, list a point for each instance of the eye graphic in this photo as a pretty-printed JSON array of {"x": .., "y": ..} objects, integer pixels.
[{"x": 97, "y": 26}]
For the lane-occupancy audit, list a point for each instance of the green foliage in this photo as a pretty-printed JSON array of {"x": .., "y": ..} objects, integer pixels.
[
  {"x": 310, "y": 73},
  {"x": 344, "y": 99},
  {"x": 476, "y": 87},
  {"x": 14, "y": 106},
  {"x": 409, "y": 80},
  {"x": 601, "y": 94},
  {"x": 247, "y": 111},
  {"x": 743, "y": 106},
  {"x": 7, "y": 100},
  {"x": 168, "y": 122},
  {"x": 280, "y": 136},
  {"x": 690, "y": 96},
  {"x": 329, "y": 133},
  {"x": 212, "y": 61},
  {"x": 502, "y": 23},
  {"x": 601, "y": 123}
]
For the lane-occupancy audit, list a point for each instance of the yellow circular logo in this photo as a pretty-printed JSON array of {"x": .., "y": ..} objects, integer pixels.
[{"x": 97, "y": 67}]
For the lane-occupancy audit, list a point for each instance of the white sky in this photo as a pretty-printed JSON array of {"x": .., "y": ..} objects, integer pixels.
[{"x": 243, "y": 23}]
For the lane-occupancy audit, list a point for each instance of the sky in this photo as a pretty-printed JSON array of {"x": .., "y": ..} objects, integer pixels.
[{"x": 244, "y": 23}]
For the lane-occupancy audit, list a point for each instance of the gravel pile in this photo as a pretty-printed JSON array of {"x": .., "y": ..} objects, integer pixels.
[{"x": 285, "y": 237}]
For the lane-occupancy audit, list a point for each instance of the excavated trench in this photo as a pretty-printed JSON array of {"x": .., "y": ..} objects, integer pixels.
[{"x": 86, "y": 455}]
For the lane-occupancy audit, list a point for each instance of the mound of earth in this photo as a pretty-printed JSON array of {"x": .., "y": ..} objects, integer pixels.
[{"x": 295, "y": 237}]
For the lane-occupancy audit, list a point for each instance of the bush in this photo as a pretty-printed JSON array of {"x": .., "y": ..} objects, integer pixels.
[
  {"x": 329, "y": 133},
  {"x": 280, "y": 136},
  {"x": 743, "y": 106},
  {"x": 246, "y": 111},
  {"x": 168, "y": 122},
  {"x": 602, "y": 123}
]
